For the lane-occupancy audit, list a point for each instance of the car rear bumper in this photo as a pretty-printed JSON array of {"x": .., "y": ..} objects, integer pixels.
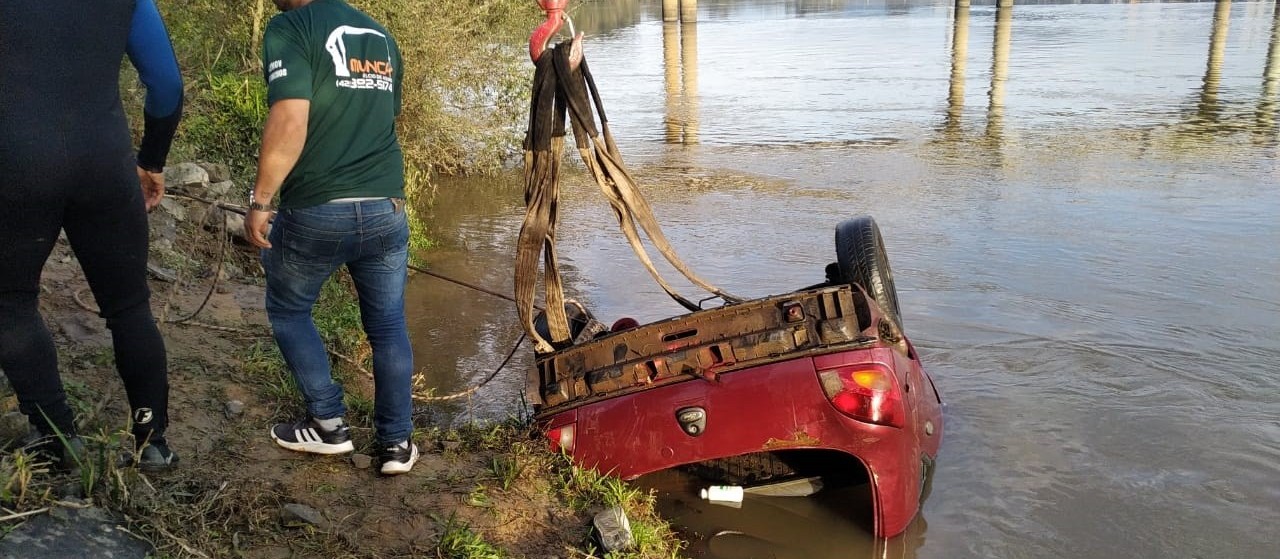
[{"x": 780, "y": 406}]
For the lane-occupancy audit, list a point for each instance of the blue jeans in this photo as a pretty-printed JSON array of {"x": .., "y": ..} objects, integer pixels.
[{"x": 372, "y": 239}]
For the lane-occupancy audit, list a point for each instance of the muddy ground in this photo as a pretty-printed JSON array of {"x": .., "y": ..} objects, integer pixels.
[{"x": 481, "y": 491}]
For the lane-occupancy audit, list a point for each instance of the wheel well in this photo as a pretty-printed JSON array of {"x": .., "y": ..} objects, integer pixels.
[{"x": 835, "y": 467}]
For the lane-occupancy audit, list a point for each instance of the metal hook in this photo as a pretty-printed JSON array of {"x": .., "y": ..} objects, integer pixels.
[{"x": 556, "y": 17}]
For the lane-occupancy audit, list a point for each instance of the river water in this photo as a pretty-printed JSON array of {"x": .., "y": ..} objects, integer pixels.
[{"x": 1080, "y": 204}]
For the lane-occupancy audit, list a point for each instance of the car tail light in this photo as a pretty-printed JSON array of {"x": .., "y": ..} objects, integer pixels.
[
  {"x": 864, "y": 392},
  {"x": 561, "y": 438}
]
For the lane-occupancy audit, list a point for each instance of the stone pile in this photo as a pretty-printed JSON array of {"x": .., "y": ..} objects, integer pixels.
[{"x": 193, "y": 193}]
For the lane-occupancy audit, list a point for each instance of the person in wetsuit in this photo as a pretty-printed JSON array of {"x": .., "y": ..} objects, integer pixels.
[{"x": 67, "y": 163}]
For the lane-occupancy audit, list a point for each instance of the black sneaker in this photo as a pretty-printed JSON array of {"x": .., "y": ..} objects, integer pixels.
[
  {"x": 399, "y": 458},
  {"x": 157, "y": 457},
  {"x": 308, "y": 436},
  {"x": 62, "y": 452}
]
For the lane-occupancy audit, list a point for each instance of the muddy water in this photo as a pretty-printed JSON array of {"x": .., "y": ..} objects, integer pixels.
[{"x": 1080, "y": 204}]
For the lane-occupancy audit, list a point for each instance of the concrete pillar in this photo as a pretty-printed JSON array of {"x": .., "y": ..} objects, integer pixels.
[
  {"x": 959, "y": 58},
  {"x": 689, "y": 79},
  {"x": 962, "y": 4},
  {"x": 999, "y": 68},
  {"x": 688, "y": 11},
  {"x": 670, "y": 10}
]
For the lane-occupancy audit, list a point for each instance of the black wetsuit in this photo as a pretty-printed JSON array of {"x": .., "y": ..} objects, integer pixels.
[{"x": 67, "y": 162}]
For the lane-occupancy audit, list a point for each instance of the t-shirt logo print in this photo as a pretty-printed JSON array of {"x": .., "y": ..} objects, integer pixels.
[{"x": 355, "y": 70}]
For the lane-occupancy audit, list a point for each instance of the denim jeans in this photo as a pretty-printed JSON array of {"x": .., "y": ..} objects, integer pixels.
[{"x": 308, "y": 245}]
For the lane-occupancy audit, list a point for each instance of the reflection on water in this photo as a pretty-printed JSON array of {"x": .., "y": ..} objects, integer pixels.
[
  {"x": 833, "y": 523},
  {"x": 999, "y": 69},
  {"x": 847, "y": 51},
  {"x": 1085, "y": 247},
  {"x": 959, "y": 58},
  {"x": 689, "y": 81},
  {"x": 1266, "y": 119},
  {"x": 1213, "y": 70}
]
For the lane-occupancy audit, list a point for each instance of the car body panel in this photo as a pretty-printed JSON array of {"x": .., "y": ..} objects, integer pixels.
[{"x": 777, "y": 405}]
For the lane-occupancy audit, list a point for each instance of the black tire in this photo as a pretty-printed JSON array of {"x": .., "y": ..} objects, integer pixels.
[{"x": 863, "y": 261}]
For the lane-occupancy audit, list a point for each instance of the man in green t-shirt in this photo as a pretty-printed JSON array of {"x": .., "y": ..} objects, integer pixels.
[{"x": 329, "y": 149}]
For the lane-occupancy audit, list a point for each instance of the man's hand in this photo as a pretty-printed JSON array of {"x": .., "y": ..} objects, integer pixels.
[
  {"x": 152, "y": 187},
  {"x": 283, "y": 136},
  {"x": 256, "y": 223}
]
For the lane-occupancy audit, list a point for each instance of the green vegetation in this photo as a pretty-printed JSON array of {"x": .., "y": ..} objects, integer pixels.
[
  {"x": 466, "y": 80},
  {"x": 459, "y": 542},
  {"x": 486, "y": 490}
]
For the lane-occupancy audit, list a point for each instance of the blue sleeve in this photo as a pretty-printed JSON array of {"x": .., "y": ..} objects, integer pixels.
[{"x": 152, "y": 54}]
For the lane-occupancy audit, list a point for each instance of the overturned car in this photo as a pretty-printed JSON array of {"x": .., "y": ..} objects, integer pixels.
[{"x": 821, "y": 381}]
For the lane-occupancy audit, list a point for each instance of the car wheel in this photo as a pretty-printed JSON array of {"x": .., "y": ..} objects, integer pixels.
[{"x": 863, "y": 261}]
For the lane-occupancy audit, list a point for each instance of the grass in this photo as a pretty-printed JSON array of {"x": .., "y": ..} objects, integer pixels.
[
  {"x": 506, "y": 470},
  {"x": 465, "y": 89},
  {"x": 465, "y": 97},
  {"x": 514, "y": 457},
  {"x": 19, "y": 470},
  {"x": 458, "y": 541}
]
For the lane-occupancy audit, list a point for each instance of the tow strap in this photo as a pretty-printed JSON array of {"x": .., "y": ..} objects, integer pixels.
[{"x": 564, "y": 89}]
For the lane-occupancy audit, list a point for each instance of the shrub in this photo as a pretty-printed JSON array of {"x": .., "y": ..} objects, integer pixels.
[{"x": 466, "y": 80}]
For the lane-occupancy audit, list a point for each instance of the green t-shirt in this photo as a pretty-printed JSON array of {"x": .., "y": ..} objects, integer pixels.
[{"x": 349, "y": 67}]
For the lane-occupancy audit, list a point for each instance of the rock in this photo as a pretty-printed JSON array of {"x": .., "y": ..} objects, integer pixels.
[
  {"x": 214, "y": 219},
  {"x": 361, "y": 461},
  {"x": 71, "y": 490},
  {"x": 235, "y": 225},
  {"x": 217, "y": 172},
  {"x": 227, "y": 273},
  {"x": 74, "y": 533},
  {"x": 80, "y": 329},
  {"x": 186, "y": 175},
  {"x": 221, "y": 191},
  {"x": 161, "y": 273},
  {"x": 14, "y": 426},
  {"x": 233, "y": 408},
  {"x": 173, "y": 207},
  {"x": 164, "y": 225},
  {"x": 613, "y": 529},
  {"x": 60, "y": 513},
  {"x": 295, "y": 515}
]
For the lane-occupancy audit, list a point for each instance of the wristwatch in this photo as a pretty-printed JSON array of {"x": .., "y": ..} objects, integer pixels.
[{"x": 254, "y": 205}]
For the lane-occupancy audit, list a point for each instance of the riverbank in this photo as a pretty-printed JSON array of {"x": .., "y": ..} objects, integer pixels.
[{"x": 481, "y": 490}]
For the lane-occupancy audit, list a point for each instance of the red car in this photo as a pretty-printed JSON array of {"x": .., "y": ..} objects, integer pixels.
[{"x": 818, "y": 382}]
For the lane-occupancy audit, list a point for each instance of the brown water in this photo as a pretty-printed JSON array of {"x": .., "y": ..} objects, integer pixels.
[{"x": 1080, "y": 204}]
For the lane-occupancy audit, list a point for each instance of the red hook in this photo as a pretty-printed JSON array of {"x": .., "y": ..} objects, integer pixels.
[{"x": 555, "y": 18}]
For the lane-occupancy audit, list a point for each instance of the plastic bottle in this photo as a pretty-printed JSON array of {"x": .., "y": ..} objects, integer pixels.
[{"x": 723, "y": 493}]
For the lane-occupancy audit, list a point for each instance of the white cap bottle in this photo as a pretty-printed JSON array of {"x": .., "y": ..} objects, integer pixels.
[{"x": 724, "y": 493}]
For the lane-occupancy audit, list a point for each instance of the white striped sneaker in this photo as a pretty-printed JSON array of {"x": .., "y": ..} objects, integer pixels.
[
  {"x": 306, "y": 435},
  {"x": 399, "y": 458}
]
